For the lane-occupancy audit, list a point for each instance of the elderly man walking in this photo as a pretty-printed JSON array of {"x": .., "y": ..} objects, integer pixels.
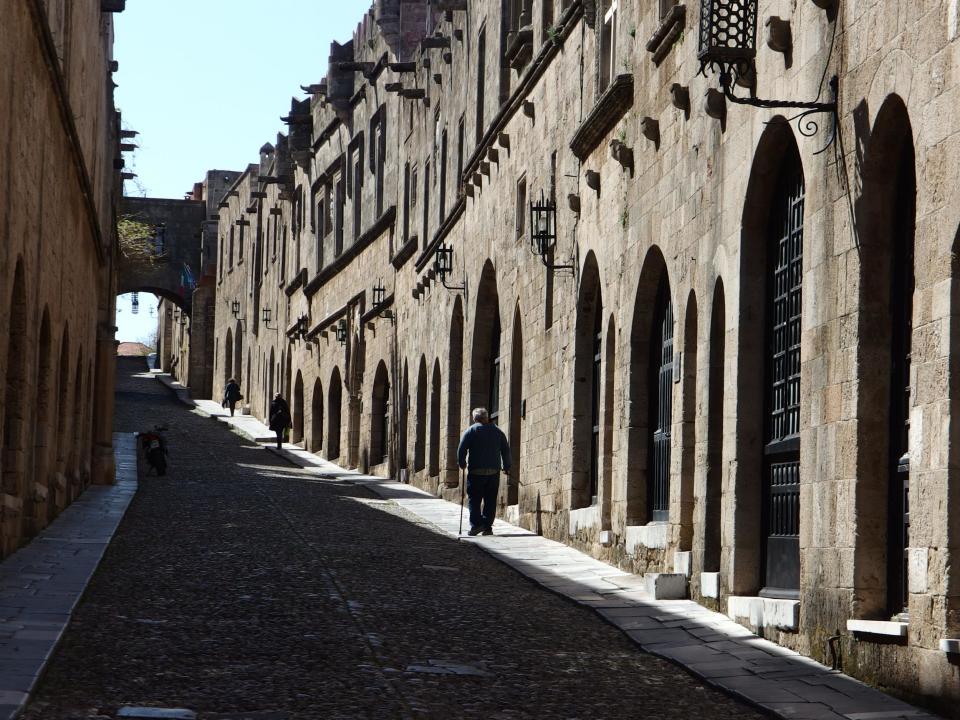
[{"x": 483, "y": 451}]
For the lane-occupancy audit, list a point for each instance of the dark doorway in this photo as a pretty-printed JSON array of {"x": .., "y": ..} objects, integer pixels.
[{"x": 661, "y": 406}]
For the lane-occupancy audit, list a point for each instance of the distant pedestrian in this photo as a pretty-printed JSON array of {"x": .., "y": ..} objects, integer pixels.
[
  {"x": 483, "y": 451},
  {"x": 231, "y": 395},
  {"x": 279, "y": 418}
]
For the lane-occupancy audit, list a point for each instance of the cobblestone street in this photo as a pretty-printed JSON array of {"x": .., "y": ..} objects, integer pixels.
[{"x": 238, "y": 586}]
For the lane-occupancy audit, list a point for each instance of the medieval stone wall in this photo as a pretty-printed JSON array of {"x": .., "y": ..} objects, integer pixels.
[
  {"x": 742, "y": 359},
  {"x": 59, "y": 186}
]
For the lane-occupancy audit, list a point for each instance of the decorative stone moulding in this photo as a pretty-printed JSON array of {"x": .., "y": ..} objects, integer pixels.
[
  {"x": 414, "y": 93},
  {"x": 667, "y": 34},
  {"x": 528, "y": 108},
  {"x": 715, "y": 105},
  {"x": 825, "y": 4},
  {"x": 622, "y": 154},
  {"x": 426, "y": 63},
  {"x": 651, "y": 130},
  {"x": 519, "y": 48},
  {"x": 611, "y": 106},
  {"x": 680, "y": 97},
  {"x": 438, "y": 78},
  {"x": 573, "y": 202},
  {"x": 504, "y": 140},
  {"x": 113, "y": 6},
  {"x": 593, "y": 180},
  {"x": 493, "y": 155},
  {"x": 478, "y": 180},
  {"x": 393, "y": 87},
  {"x": 468, "y": 190},
  {"x": 747, "y": 77},
  {"x": 448, "y": 58},
  {"x": 779, "y": 36},
  {"x": 435, "y": 41},
  {"x": 485, "y": 168}
]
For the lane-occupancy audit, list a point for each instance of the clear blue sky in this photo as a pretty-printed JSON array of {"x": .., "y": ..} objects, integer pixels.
[{"x": 205, "y": 83}]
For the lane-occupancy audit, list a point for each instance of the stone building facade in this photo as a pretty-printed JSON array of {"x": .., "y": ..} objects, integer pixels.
[
  {"x": 735, "y": 368},
  {"x": 59, "y": 185}
]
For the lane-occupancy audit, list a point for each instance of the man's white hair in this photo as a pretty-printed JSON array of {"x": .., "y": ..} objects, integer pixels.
[{"x": 480, "y": 415}]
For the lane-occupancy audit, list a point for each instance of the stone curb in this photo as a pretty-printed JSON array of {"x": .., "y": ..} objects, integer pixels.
[{"x": 52, "y": 573}]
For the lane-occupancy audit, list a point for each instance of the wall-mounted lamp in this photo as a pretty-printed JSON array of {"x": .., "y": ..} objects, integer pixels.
[
  {"x": 379, "y": 293},
  {"x": 543, "y": 230},
  {"x": 265, "y": 317},
  {"x": 443, "y": 265},
  {"x": 728, "y": 45},
  {"x": 341, "y": 330},
  {"x": 301, "y": 328},
  {"x": 235, "y": 308}
]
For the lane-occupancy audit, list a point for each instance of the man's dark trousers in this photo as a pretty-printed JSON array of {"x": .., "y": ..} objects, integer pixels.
[{"x": 482, "y": 489}]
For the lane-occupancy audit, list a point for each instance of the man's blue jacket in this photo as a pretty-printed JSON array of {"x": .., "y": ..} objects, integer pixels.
[{"x": 487, "y": 447}]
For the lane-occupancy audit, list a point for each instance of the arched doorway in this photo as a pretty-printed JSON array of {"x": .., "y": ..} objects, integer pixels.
[
  {"x": 420, "y": 419},
  {"x": 455, "y": 421},
  {"x": 688, "y": 421},
  {"x": 36, "y": 514},
  {"x": 297, "y": 433},
  {"x": 516, "y": 408},
  {"x": 886, "y": 214},
  {"x": 435, "y": 390},
  {"x": 228, "y": 357},
  {"x": 713, "y": 496},
  {"x": 650, "y": 397},
  {"x": 404, "y": 418},
  {"x": 16, "y": 406},
  {"x": 380, "y": 416},
  {"x": 316, "y": 417},
  {"x": 334, "y": 409},
  {"x": 485, "y": 352},
  {"x": 588, "y": 386},
  {"x": 767, "y": 518},
  {"x": 56, "y": 499},
  {"x": 238, "y": 354},
  {"x": 609, "y": 360}
]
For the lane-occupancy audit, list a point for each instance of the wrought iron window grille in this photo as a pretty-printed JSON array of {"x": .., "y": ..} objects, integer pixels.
[{"x": 728, "y": 46}]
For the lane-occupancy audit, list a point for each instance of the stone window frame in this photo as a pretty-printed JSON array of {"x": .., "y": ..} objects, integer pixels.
[{"x": 607, "y": 45}]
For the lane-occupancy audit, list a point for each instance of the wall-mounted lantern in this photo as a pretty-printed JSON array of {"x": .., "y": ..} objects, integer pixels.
[
  {"x": 543, "y": 230},
  {"x": 728, "y": 45},
  {"x": 379, "y": 294},
  {"x": 265, "y": 317},
  {"x": 235, "y": 308},
  {"x": 443, "y": 265},
  {"x": 301, "y": 328},
  {"x": 341, "y": 330}
]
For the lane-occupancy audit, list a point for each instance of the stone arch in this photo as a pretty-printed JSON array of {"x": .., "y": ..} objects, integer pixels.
[
  {"x": 13, "y": 453},
  {"x": 420, "y": 419},
  {"x": 57, "y": 497},
  {"x": 286, "y": 365},
  {"x": 587, "y": 388},
  {"x": 485, "y": 352},
  {"x": 886, "y": 216},
  {"x": 34, "y": 512},
  {"x": 404, "y": 418},
  {"x": 334, "y": 410},
  {"x": 75, "y": 451},
  {"x": 228, "y": 357},
  {"x": 455, "y": 389},
  {"x": 688, "y": 422},
  {"x": 316, "y": 417},
  {"x": 716, "y": 388},
  {"x": 609, "y": 383},
  {"x": 516, "y": 408},
  {"x": 653, "y": 290},
  {"x": 297, "y": 402},
  {"x": 776, "y": 169},
  {"x": 238, "y": 353},
  {"x": 380, "y": 416},
  {"x": 87, "y": 459},
  {"x": 271, "y": 372},
  {"x": 433, "y": 462}
]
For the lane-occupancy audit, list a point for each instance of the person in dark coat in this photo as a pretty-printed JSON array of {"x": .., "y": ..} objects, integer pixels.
[
  {"x": 231, "y": 395},
  {"x": 483, "y": 450},
  {"x": 279, "y": 417}
]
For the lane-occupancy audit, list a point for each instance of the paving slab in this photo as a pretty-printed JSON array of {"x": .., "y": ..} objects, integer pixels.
[{"x": 45, "y": 579}]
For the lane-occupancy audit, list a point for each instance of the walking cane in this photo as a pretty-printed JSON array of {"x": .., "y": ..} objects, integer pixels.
[{"x": 463, "y": 485}]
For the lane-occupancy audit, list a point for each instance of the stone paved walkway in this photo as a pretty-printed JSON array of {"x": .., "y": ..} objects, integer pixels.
[
  {"x": 41, "y": 583},
  {"x": 240, "y": 586},
  {"x": 706, "y": 643}
]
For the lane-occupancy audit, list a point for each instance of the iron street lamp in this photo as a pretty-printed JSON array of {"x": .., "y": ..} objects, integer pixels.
[
  {"x": 443, "y": 265},
  {"x": 543, "y": 230},
  {"x": 728, "y": 45},
  {"x": 342, "y": 331},
  {"x": 265, "y": 317},
  {"x": 379, "y": 293},
  {"x": 235, "y": 308},
  {"x": 301, "y": 328}
]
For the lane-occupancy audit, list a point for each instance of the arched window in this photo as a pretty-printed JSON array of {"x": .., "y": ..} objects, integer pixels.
[
  {"x": 661, "y": 404},
  {"x": 782, "y": 327}
]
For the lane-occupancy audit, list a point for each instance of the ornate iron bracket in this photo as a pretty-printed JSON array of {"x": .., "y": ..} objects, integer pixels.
[{"x": 806, "y": 126}]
